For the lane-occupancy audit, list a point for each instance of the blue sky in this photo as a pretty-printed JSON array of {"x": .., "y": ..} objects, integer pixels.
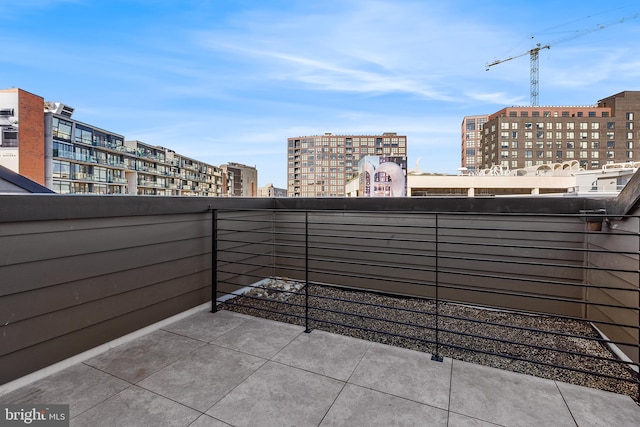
[{"x": 223, "y": 80}]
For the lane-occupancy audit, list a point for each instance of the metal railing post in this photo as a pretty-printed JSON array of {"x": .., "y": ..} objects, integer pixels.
[
  {"x": 214, "y": 260},
  {"x": 437, "y": 357},
  {"x": 306, "y": 272}
]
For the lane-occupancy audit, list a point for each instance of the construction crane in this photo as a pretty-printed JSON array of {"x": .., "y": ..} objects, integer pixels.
[{"x": 534, "y": 54}]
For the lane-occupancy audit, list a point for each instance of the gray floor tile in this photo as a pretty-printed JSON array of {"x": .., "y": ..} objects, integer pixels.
[
  {"x": 405, "y": 373},
  {"x": 278, "y": 395},
  {"x": 591, "y": 407},
  {"x": 138, "y": 359},
  {"x": 203, "y": 377},
  {"x": 335, "y": 356},
  {"x": 260, "y": 337},
  {"x": 79, "y": 386},
  {"x": 457, "y": 420},
  {"x": 506, "y": 398},
  {"x": 362, "y": 407},
  {"x": 207, "y": 421},
  {"x": 136, "y": 407},
  {"x": 205, "y": 326}
]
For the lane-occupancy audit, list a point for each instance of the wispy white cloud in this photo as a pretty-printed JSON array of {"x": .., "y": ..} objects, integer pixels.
[{"x": 375, "y": 48}]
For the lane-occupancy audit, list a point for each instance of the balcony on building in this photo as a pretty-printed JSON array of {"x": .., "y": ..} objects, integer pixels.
[{"x": 337, "y": 311}]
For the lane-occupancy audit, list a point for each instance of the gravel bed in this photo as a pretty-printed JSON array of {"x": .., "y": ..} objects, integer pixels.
[{"x": 410, "y": 323}]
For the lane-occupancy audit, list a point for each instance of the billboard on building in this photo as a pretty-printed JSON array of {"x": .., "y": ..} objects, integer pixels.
[
  {"x": 383, "y": 176},
  {"x": 9, "y": 130}
]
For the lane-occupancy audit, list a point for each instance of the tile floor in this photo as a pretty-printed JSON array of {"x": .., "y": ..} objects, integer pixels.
[{"x": 228, "y": 369}]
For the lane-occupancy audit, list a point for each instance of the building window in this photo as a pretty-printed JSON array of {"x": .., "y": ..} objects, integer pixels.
[
  {"x": 61, "y": 169},
  {"x": 611, "y": 144},
  {"x": 566, "y": 114},
  {"x": 558, "y": 154},
  {"x": 592, "y": 113},
  {"x": 570, "y": 155},
  {"x": 595, "y": 144},
  {"x": 535, "y": 114},
  {"x": 610, "y": 154},
  {"x": 61, "y": 129},
  {"x": 595, "y": 164},
  {"x": 528, "y": 154},
  {"x": 524, "y": 114},
  {"x": 513, "y": 114},
  {"x": 630, "y": 116},
  {"x": 571, "y": 125},
  {"x": 611, "y": 125},
  {"x": 629, "y": 154},
  {"x": 514, "y": 144},
  {"x": 630, "y": 144},
  {"x": 595, "y": 154}
]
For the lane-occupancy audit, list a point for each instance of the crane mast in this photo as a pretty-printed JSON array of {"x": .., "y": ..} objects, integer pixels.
[{"x": 534, "y": 69}]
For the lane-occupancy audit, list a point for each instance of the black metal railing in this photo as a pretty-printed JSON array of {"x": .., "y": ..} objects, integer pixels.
[{"x": 550, "y": 295}]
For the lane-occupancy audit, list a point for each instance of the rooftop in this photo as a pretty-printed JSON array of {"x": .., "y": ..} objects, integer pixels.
[{"x": 226, "y": 368}]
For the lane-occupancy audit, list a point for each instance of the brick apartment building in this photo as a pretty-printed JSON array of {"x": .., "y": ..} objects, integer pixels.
[{"x": 605, "y": 133}]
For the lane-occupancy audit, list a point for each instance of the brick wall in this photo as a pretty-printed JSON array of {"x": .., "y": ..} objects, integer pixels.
[{"x": 31, "y": 136}]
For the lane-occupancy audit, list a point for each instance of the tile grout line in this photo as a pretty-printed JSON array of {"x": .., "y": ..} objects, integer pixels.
[
  {"x": 344, "y": 385},
  {"x": 565, "y": 403}
]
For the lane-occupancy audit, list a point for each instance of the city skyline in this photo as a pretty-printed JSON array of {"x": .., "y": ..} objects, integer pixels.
[{"x": 231, "y": 82}]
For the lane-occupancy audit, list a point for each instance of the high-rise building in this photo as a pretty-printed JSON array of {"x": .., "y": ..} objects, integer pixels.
[
  {"x": 43, "y": 142},
  {"x": 596, "y": 135},
  {"x": 321, "y": 165},
  {"x": 245, "y": 179},
  {"x": 471, "y": 133}
]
